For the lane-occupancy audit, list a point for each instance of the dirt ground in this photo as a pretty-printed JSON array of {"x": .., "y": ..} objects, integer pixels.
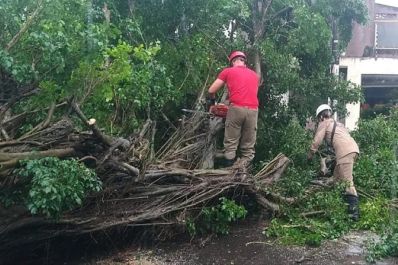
[{"x": 245, "y": 245}]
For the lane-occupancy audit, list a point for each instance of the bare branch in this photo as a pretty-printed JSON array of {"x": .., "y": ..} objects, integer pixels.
[
  {"x": 97, "y": 132},
  {"x": 41, "y": 125},
  {"x": 10, "y": 160}
]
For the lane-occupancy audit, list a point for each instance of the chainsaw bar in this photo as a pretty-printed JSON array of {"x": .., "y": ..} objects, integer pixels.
[
  {"x": 219, "y": 110},
  {"x": 197, "y": 111}
]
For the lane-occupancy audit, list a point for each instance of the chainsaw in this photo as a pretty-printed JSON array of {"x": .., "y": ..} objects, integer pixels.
[{"x": 218, "y": 110}]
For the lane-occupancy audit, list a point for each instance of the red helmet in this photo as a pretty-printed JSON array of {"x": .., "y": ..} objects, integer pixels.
[{"x": 235, "y": 54}]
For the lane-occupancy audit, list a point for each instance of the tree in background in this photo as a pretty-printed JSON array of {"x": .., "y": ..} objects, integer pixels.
[{"x": 127, "y": 61}]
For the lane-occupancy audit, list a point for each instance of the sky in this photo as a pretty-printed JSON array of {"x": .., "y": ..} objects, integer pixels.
[{"x": 388, "y": 2}]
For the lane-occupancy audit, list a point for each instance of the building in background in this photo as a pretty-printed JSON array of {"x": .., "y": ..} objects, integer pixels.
[{"x": 371, "y": 60}]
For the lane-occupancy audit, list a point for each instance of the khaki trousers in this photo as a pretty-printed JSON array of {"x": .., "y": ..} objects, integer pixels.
[
  {"x": 240, "y": 130},
  {"x": 343, "y": 171}
]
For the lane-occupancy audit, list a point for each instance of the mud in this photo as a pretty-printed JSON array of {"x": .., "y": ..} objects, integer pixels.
[{"x": 245, "y": 245}]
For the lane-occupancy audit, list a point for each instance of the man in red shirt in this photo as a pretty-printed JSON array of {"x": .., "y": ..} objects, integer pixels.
[{"x": 241, "y": 121}]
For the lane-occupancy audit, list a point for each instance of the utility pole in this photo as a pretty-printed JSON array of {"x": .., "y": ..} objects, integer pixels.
[
  {"x": 335, "y": 49},
  {"x": 334, "y": 68}
]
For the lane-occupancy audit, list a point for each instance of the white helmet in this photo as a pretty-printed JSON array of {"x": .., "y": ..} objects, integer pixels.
[{"x": 322, "y": 108}]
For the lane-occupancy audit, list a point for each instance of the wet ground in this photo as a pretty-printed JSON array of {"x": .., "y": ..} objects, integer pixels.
[{"x": 245, "y": 245}]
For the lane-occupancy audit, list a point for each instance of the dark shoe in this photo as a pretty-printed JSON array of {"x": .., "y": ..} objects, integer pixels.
[
  {"x": 353, "y": 206},
  {"x": 229, "y": 162}
]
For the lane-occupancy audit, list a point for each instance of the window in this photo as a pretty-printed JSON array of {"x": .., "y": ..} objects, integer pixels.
[
  {"x": 386, "y": 31},
  {"x": 380, "y": 92},
  {"x": 386, "y": 35},
  {"x": 343, "y": 71}
]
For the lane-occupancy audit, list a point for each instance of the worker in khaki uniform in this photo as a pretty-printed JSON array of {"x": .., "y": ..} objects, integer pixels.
[
  {"x": 346, "y": 150},
  {"x": 241, "y": 120}
]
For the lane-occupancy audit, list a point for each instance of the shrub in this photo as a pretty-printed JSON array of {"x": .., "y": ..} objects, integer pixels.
[
  {"x": 375, "y": 214},
  {"x": 294, "y": 227},
  {"x": 216, "y": 219},
  {"x": 378, "y": 133},
  {"x": 377, "y": 167},
  {"x": 376, "y": 172},
  {"x": 386, "y": 246},
  {"x": 56, "y": 185},
  {"x": 290, "y": 139}
]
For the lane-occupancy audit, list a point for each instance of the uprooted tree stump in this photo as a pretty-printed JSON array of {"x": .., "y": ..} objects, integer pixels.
[{"x": 139, "y": 187}]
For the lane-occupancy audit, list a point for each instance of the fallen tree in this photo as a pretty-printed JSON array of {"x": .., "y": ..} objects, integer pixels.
[{"x": 139, "y": 187}]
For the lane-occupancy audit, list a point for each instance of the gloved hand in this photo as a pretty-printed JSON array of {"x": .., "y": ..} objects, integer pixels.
[
  {"x": 210, "y": 102},
  {"x": 310, "y": 155}
]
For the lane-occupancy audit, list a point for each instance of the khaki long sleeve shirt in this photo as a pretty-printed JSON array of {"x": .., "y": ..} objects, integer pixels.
[{"x": 343, "y": 143}]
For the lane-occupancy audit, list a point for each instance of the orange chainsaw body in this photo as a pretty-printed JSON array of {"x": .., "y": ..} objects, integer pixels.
[{"x": 219, "y": 110}]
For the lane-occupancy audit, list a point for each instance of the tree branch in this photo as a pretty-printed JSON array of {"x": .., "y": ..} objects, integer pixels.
[
  {"x": 92, "y": 125},
  {"x": 25, "y": 26},
  {"x": 10, "y": 160},
  {"x": 41, "y": 125}
]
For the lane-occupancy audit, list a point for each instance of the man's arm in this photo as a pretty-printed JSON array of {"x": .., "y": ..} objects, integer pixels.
[
  {"x": 319, "y": 136},
  {"x": 217, "y": 84},
  {"x": 316, "y": 142}
]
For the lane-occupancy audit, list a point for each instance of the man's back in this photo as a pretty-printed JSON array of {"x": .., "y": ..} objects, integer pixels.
[
  {"x": 242, "y": 85},
  {"x": 343, "y": 143}
]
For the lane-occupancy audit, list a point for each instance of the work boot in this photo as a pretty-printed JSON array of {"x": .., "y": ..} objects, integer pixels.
[
  {"x": 229, "y": 162},
  {"x": 243, "y": 164},
  {"x": 353, "y": 206}
]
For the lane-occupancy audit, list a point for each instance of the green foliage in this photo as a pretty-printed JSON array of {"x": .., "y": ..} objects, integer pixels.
[
  {"x": 344, "y": 12},
  {"x": 375, "y": 215},
  {"x": 191, "y": 227},
  {"x": 377, "y": 133},
  {"x": 53, "y": 41},
  {"x": 287, "y": 137},
  {"x": 118, "y": 72},
  {"x": 297, "y": 58},
  {"x": 298, "y": 229},
  {"x": 295, "y": 181},
  {"x": 153, "y": 57},
  {"x": 49, "y": 92},
  {"x": 309, "y": 40},
  {"x": 333, "y": 222},
  {"x": 376, "y": 168},
  {"x": 21, "y": 73},
  {"x": 386, "y": 246},
  {"x": 127, "y": 82},
  {"x": 10, "y": 197},
  {"x": 283, "y": 70},
  {"x": 216, "y": 219},
  {"x": 375, "y": 173},
  {"x": 56, "y": 185},
  {"x": 292, "y": 140}
]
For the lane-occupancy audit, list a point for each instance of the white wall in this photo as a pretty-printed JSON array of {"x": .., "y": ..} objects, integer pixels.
[
  {"x": 387, "y": 2},
  {"x": 356, "y": 67}
]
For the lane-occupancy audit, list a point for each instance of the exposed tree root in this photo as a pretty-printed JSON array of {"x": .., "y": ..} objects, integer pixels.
[{"x": 139, "y": 187}]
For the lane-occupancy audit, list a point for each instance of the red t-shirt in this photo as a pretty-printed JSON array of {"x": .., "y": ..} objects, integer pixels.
[{"x": 242, "y": 85}]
